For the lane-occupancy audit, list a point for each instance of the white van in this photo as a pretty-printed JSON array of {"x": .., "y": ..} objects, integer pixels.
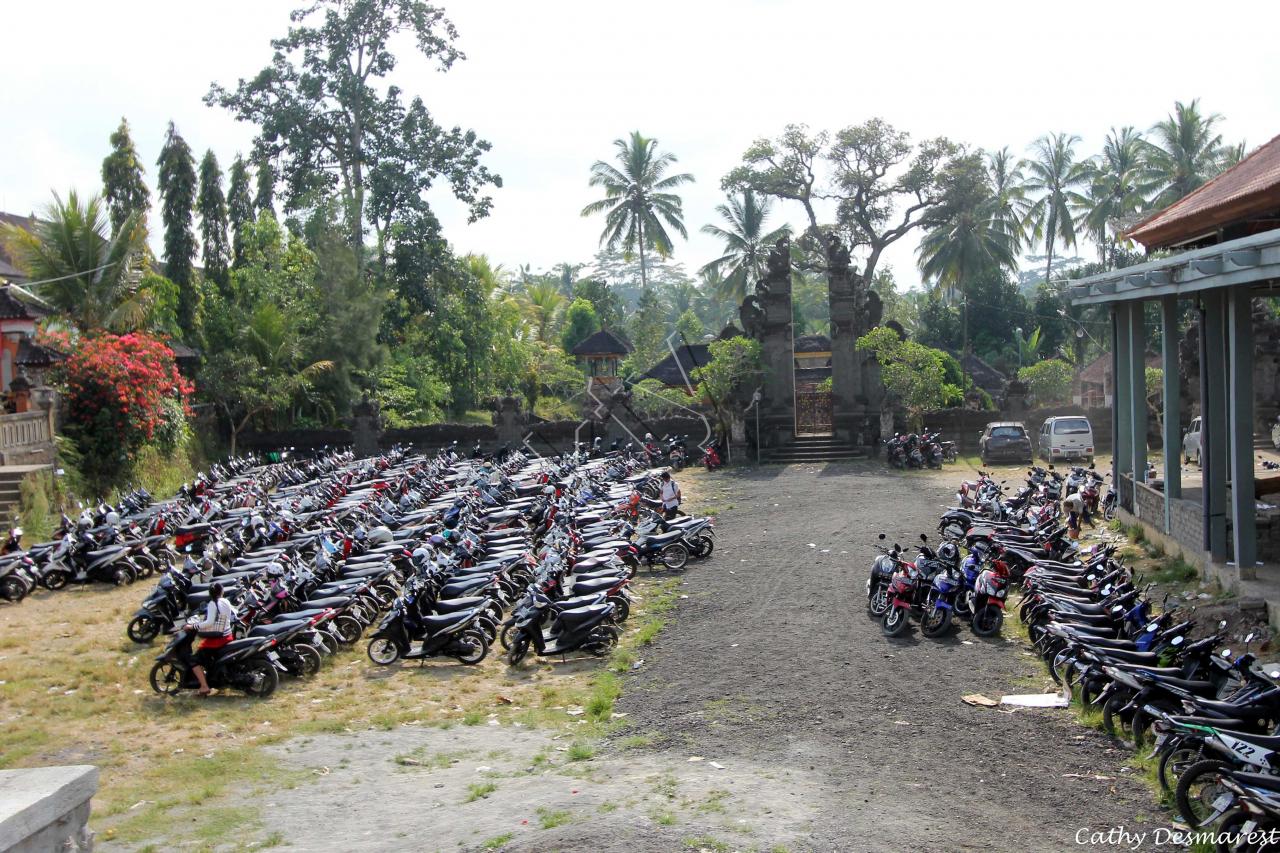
[{"x": 1069, "y": 437}]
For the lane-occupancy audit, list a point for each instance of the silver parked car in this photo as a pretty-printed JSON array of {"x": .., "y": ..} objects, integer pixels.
[{"x": 1191, "y": 442}]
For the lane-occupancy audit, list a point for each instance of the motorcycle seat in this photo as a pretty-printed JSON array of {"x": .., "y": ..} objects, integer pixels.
[
  {"x": 373, "y": 572},
  {"x": 273, "y": 628},
  {"x": 577, "y": 601},
  {"x": 109, "y": 551},
  {"x": 594, "y": 585},
  {"x": 1130, "y": 657},
  {"x": 453, "y": 605},
  {"x": 1209, "y": 721},
  {"x": 446, "y": 620},
  {"x": 238, "y": 646},
  {"x": 1256, "y": 780},
  {"x": 335, "y": 601},
  {"x": 662, "y": 539},
  {"x": 607, "y": 572},
  {"x": 1271, "y": 742},
  {"x": 1184, "y": 684},
  {"x": 579, "y": 615}
]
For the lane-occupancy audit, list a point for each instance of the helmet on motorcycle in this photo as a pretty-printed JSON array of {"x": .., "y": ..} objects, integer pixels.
[
  {"x": 548, "y": 490},
  {"x": 274, "y": 570},
  {"x": 112, "y": 519},
  {"x": 949, "y": 553},
  {"x": 437, "y": 540},
  {"x": 420, "y": 555},
  {"x": 380, "y": 536}
]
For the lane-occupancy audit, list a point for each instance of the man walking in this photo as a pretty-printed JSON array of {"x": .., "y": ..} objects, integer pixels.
[{"x": 670, "y": 496}]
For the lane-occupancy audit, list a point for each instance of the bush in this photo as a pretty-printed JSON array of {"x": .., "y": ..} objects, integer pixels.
[
  {"x": 1050, "y": 381},
  {"x": 123, "y": 393}
]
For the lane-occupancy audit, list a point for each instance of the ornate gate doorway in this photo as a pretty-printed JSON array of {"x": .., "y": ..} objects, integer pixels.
[{"x": 813, "y": 411}]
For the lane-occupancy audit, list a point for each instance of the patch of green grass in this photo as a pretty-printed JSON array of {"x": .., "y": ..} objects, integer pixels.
[
  {"x": 1115, "y": 525},
  {"x": 607, "y": 688},
  {"x": 479, "y": 790},
  {"x": 707, "y": 842},
  {"x": 472, "y": 718},
  {"x": 664, "y": 819},
  {"x": 1176, "y": 571},
  {"x": 635, "y": 741},
  {"x": 665, "y": 786},
  {"x": 498, "y": 841},
  {"x": 1136, "y": 533},
  {"x": 608, "y": 806},
  {"x": 275, "y": 839},
  {"x": 714, "y": 803},
  {"x": 649, "y": 631},
  {"x": 580, "y": 751},
  {"x": 551, "y": 818}
]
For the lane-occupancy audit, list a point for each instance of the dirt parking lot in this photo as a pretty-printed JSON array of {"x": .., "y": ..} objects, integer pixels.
[{"x": 770, "y": 715}]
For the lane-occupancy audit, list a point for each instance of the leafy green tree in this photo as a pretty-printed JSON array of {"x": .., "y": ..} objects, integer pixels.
[
  {"x": 1185, "y": 151},
  {"x": 647, "y": 331},
  {"x": 91, "y": 272},
  {"x": 264, "y": 194},
  {"x": 638, "y": 200},
  {"x": 122, "y": 185},
  {"x": 211, "y": 204},
  {"x": 580, "y": 323},
  {"x": 322, "y": 115},
  {"x": 543, "y": 303},
  {"x": 1049, "y": 380},
  {"x": 880, "y": 182},
  {"x": 239, "y": 208},
  {"x": 1117, "y": 189},
  {"x": 603, "y": 299},
  {"x": 177, "y": 190},
  {"x": 733, "y": 369},
  {"x": 689, "y": 328},
  {"x": 913, "y": 372},
  {"x": 1010, "y": 202},
  {"x": 746, "y": 243},
  {"x": 1054, "y": 173},
  {"x": 964, "y": 235}
]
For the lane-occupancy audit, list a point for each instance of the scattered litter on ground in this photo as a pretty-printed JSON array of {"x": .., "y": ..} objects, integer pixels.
[
  {"x": 1035, "y": 700},
  {"x": 716, "y": 765},
  {"x": 696, "y": 758},
  {"x": 979, "y": 700}
]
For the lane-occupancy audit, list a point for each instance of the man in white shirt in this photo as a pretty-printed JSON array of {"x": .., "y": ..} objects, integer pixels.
[{"x": 670, "y": 496}]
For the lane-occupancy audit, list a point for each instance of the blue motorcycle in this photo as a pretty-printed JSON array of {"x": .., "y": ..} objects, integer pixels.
[{"x": 940, "y": 602}]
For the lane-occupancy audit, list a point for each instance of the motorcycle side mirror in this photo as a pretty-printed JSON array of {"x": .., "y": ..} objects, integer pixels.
[
  {"x": 1176, "y": 641},
  {"x": 1248, "y": 638},
  {"x": 1222, "y": 624},
  {"x": 1226, "y": 654},
  {"x": 1106, "y": 590},
  {"x": 881, "y": 537},
  {"x": 924, "y": 537},
  {"x": 1275, "y": 673}
]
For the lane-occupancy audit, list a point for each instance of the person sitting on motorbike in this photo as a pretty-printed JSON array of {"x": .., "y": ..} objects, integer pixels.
[{"x": 214, "y": 631}]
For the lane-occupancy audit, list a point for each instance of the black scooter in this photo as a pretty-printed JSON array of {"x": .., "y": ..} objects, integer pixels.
[
  {"x": 457, "y": 635},
  {"x": 589, "y": 628},
  {"x": 248, "y": 665}
]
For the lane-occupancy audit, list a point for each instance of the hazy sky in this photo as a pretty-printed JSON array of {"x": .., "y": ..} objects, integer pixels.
[{"x": 551, "y": 84}]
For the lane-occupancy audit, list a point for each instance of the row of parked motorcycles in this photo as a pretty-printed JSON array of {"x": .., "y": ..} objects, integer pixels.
[
  {"x": 1185, "y": 695},
  {"x": 925, "y": 450},
  {"x": 114, "y": 544},
  {"x": 439, "y": 557}
]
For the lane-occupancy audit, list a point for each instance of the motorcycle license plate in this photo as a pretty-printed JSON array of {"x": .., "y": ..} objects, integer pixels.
[
  {"x": 273, "y": 657},
  {"x": 1223, "y": 801}
]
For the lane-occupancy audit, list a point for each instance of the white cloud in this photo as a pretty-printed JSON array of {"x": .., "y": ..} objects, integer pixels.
[{"x": 552, "y": 84}]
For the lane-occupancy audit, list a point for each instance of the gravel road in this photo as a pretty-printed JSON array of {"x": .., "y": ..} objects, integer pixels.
[{"x": 771, "y": 714}]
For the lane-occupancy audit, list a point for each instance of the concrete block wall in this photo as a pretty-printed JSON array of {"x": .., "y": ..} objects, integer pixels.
[{"x": 47, "y": 809}]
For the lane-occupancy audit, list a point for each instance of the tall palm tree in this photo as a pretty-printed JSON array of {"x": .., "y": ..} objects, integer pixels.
[
  {"x": 965, "y": 235},
  {"x": 1117, "y": 189},
  {"x": 746, "y": 245},
  {"x": 1009, "y": 195},
  {"x": 542, "y": 303},
  {"x": 1186, "y": 152},
  {"x": 637, "y": 200},
  {"x": 1054, "y": 172},
  {"x": 93, "y": 274}
]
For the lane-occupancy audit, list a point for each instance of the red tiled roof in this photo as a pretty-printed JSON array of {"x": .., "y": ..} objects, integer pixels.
[{"x": 1249, "y": 188}]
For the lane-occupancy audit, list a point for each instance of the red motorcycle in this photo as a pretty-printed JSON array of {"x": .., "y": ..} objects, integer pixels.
[
  {"x": 710, "y": 458},
  {"x": 988, "y": 597}
]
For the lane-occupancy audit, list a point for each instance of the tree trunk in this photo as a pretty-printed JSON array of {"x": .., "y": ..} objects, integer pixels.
[{"x": 644, "y": 277}]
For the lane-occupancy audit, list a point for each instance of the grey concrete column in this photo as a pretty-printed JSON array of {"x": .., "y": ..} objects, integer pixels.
[
  {"x": 1213, "y": 420},
  {"x": 1123, "y": 436},
  {"x": 1138, "y": 386},
  {"x": 1243, "y": 506},
  {"x": 1172, "y": 406}
]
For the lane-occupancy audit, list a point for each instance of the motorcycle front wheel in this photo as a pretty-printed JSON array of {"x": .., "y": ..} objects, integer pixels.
[
  {"x": 519, "y": 648},
  {"x": 143, "y": 629},
  {"x": 674, "y": 556},
  {"x": 987, "y": 621},
  {"x": 55, "y": 579},
  {"x": 895, "y": 621},
  {"x": 383, "y": 651},
  {"x": 936, "y": 621},
  {"x": 166, "y": 678},
  {"x": 878, "y": 603}
]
